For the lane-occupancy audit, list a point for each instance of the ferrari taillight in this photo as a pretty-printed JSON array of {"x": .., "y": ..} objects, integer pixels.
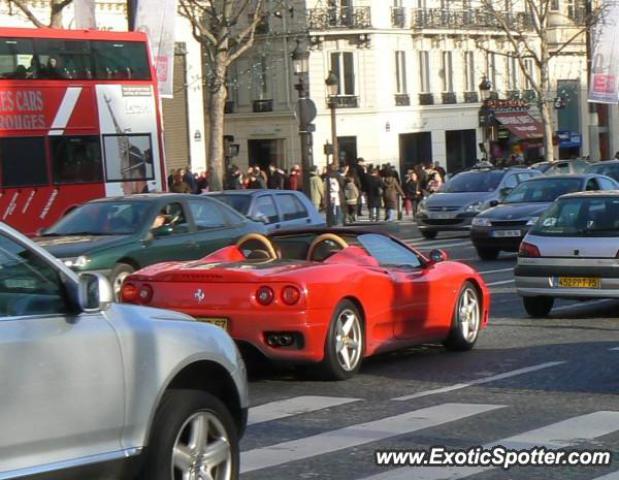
[
  {"x": 146, "y": 293},
  {"x": 528, "y": 250},
  {"x": 129, "y": 293},
  {"x": 290, "y": 295},
  {"x": 265, "y": 296}
]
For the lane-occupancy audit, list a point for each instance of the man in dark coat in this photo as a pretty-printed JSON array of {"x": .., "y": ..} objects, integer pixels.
[
  {"x": 374, "y": 186},
  {"x": 276, "y": 179}
]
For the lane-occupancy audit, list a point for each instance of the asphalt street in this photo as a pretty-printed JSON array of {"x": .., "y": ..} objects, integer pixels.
[{"x": 529, "y": 382}]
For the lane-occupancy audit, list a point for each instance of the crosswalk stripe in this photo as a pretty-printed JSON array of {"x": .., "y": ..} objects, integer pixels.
[
  {"x": 480, "y": 381},
  {"x": 294, "y": 406},
  {"x": 566, "y": 433},
  {"x": 610, "y": 476},
  {"x": 359, "y": 434}
]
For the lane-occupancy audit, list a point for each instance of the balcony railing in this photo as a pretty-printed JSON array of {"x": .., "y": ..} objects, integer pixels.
[
  {"x": 467, "y": 19},
  {"x": 426, "y": 99},
  {"x": 342, "y": 17},
  {"x": 402, "y": 100},
  {"x": 261, "y": 106},
  {"x": 398, "y": 17},
  {"x": 471, "y": 97},
  {"x": 343, "y": 101},
  {"x": 449, "y": 97}
]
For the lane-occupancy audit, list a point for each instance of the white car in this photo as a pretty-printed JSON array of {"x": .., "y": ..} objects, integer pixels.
[
  {"x": 571, "y": 252},
  {"x": 91, "y": 388}
]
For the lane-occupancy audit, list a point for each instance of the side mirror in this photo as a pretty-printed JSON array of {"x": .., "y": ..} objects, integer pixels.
[
  {"x": 493, "y": 203},
  {"x": 437, "y": 255},
  {"x": 94, "y": 292},
  {"x": 505, "y": 191},
  {"x": 162, "y": 231}
]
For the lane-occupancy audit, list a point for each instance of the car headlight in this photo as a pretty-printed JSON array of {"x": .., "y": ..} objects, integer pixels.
[
  {"x": 422, "y": 206},
  {"x": 481, "y": 222},
  {"x": 532, "y": 221},
  {"x": 79, "y": 262},
  {"x": 474, "y": 207}
]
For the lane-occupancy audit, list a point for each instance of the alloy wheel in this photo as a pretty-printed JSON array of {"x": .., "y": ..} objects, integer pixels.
[
  {"x": 202, "y": 450},
  {"x": 348, "y": 340}
]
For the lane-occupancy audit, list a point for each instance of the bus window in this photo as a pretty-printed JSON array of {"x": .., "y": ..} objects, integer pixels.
[
  {"x": 120, "y": 60},
  {"x": 23, "y": 161},
  {"x": 76, "y": 159},
  {"x": 17, "y": 58},
  {"x": 128, "y": 157},
  {"x": 63, "y": 58}
]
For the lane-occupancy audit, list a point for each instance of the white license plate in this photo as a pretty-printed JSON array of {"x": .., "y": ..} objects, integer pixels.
[
  {"x": 506, "y": 233},
  {"x": 441, "y": 215}
]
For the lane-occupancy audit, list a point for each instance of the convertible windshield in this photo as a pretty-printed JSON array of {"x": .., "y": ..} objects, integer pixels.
[
  {"x": 580, "y": 217},
  {"x": 474, "y": 182},
  {"x": 102, "y": 218},
  {"x": 543, "y": 190}
]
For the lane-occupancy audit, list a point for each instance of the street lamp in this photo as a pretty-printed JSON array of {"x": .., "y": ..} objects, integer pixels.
[
  {"x": 485, "y": 86},
  {"x": 332, "y": 82},
  {"x": 306, "y": 112}
]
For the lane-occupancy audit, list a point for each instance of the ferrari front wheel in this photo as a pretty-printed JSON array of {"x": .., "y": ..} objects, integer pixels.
[
  {"x": 344, "y": 344},
  {"x": 466, "y": 319}
]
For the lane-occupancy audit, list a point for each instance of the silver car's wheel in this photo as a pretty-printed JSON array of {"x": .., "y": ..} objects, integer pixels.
[
  {"x": 345, "y": 343},
  {"x": 466, "y": 320},
  {"x": 194, "y": 437},
  {"x": 201, "y": 450}
]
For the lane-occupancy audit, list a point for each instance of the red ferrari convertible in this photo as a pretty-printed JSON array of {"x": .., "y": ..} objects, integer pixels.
[{"x": 329, "y": 296}]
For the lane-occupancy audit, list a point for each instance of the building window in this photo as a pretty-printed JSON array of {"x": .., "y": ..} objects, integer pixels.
[
  {"x": 554, "y": 5},
  {"x": 342, "y": 64},
  {"x": 469, "y": 72},
  {"x": 447, "y": 72},
  {"x": 528, "y": 65},
  {"x": 424, "y": 71},
  {"x": 512, "y": 73},
  {"x": 262, "y": 87},
  {"x": 400, "y": 72},
  {"x": 491, "y": 70}
]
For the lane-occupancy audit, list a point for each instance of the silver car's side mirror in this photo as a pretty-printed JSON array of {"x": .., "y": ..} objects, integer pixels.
[{"x": 94, "y": 292}]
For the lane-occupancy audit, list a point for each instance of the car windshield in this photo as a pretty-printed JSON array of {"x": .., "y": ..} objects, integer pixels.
[
  {"x": 102, "y": 218},
  {"x": 610, "y": 170},
  {"x": 543, "y": 190},
  {"x": 542, "y": 167},
  {"x": 579, "y": 217},
  {"x": 240, "y": 203},
  {"x": 474, "y": 182}
]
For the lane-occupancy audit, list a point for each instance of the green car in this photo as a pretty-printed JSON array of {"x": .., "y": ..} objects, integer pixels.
[{"x": 116, "y": 236}]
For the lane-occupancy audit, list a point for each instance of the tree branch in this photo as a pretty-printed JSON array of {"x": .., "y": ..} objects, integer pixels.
[{"x": 28, "y": 13}]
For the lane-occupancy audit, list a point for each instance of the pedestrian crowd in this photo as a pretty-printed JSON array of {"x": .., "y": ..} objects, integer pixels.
[{"x": 343, "y": 190}]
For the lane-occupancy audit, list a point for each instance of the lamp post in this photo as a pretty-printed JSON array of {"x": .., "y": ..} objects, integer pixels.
[
  {"x": 332, "y": 83},
  {"x": 306, "y": 112},
  {"x": 484, "y": 88}
]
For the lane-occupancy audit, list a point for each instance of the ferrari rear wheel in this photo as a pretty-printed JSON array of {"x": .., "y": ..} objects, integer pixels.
[
  {"x": 466, "y": 320},
  {"x": 345, "y": 343}
]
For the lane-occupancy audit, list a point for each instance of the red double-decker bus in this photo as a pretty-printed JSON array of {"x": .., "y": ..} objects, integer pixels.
[{"x": 79, "y": 119}]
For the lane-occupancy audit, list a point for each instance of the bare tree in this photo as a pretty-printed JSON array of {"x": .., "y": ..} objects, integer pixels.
[
  {"x": 226, "y": 30},
  {"x": 531, "y": 34},
  {"x": 55, "y": 12}
]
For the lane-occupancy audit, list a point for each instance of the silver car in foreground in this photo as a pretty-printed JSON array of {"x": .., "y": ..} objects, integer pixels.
[
  {"x": 571, "y": 252},
  {"x": 92, "y": 389}
]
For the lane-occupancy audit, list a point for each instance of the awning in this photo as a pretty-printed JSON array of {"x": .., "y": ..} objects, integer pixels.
[{"x": 521, "y": 124}]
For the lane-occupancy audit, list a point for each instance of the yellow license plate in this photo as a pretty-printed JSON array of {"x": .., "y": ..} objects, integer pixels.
[
  {"x": 220, "y": 322},
  {"x": 579, "y": 282}
]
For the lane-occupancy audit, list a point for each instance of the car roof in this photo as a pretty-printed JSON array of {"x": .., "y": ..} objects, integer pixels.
[
  {"x": 604, "y": 162},
  {"x": 564, "y": 176},
  {"x": 253, "y": 191},
  {"x": 146, "y": 197},
  {"x": 592, "y": 193}
]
